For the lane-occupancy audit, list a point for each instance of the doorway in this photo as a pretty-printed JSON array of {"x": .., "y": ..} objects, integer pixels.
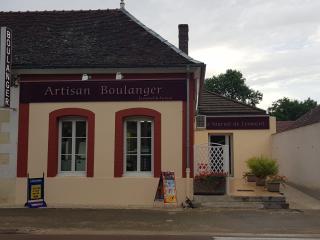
[{"x": 226, "y": 153}]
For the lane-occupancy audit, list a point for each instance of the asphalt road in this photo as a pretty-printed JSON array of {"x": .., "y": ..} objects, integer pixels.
[
  {"x": 96, "y": 237},
  {"x": 135, "y": 237},
  {"x": 196, "y": 222}
]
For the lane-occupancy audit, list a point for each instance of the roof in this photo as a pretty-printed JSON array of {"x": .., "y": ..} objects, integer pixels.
[
  {"x": 283, "y": 125},
  {"x": 214, "y": 104},
  {"x": 311, "y": 117},
  {"x": 87, "y": 38}
]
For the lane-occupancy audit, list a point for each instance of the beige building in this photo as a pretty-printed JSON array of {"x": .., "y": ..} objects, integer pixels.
[
  {"x": 100, "y": 116},
  {"x": 230, "y": 132}
]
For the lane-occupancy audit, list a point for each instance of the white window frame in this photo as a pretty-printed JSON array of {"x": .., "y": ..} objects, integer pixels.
[
  {"x": 138, "y": 173},
  {"x": 73, "y": 151}
]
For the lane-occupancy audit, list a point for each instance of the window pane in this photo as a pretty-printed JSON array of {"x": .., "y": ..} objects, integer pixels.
[
  {"x": 132, "y": 145},
  {"x": 145, "y": 163},
  {"x": 80, "y": 163},
  {"x": 65, "y": 162},
  {"x": 131, "y": 129},
  {"x": 81, "y": 147},
  {"x": 145, "y": 145},
  {"x": 66, "y": 129},
  {"x": 81, "y": 129},
  {"x": 66, "y": 146},
  {"x": 131, "y": 162},
  {"x": 145, "y": 128}
]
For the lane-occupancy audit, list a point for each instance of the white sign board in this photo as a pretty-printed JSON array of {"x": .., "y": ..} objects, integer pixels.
[{"x": 5, "y": 66}]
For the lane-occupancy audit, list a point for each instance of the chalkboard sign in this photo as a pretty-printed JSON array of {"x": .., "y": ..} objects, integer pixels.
[
  {"x": 166, "y": 190},
  {"x": 35, "y": 193}
]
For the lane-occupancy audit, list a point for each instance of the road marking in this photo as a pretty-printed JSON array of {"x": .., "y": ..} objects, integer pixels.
[{"x": 261, "y": 238}]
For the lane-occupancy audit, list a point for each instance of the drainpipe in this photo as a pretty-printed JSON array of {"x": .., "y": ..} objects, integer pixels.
[{"x": 188, "y": 192}]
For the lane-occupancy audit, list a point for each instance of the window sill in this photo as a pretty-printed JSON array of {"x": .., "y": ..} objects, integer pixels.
[
  {"x": 137, "y": 175},
  {"x": 72, "y": 174}
]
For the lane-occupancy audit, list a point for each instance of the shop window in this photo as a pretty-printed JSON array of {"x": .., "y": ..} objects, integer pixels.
[
  {"x": 71, "y": 142},
  {"x": 138, "y": 146},
  {"x": 72, "y": 146},
  {"x": 137, "y": 142}
]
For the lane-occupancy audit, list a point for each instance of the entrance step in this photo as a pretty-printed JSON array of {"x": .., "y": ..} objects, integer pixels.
[{"x": 252, "y": 202}]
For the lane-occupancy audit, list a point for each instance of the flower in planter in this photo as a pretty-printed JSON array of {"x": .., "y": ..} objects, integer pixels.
[
  {"x": 273, "y": 183},
  {"x": 277, "y": 179},
  {"x": 210, "y": 183},
  {"x": 249, "y": 176},
  {"x": 210, "y": 176}
]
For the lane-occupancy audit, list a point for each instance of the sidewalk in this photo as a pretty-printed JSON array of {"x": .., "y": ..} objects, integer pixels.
[
  {"x": 166, "y": 221},
  {"x": 303, "y": 218}
]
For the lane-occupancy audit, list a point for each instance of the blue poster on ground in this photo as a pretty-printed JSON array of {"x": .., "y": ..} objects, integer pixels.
[{"x": 35, "y": 193}]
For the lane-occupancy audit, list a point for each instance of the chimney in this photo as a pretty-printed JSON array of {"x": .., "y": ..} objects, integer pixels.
[
  {"x": 122, "y": 4},
  {"x": 183, "y": 37}
]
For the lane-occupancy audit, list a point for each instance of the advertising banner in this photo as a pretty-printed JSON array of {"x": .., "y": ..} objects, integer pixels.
[
  {"x": 166, "y": 191},
  {"x": 108, "y": 90},
  {"x": 35, "y": 193},
  {"x": 5, "y": 66},
  {"x": 238, "y": 123}
]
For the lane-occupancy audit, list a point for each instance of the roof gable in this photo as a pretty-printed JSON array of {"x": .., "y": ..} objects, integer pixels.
[
  {"x": 311, "y": 117},
  {"x": 213, "y": 104},
  {"x": 90, "y": 38}
]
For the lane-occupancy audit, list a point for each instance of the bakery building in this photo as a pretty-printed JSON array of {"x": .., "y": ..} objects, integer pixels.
[{"x": 103, "y": 105}]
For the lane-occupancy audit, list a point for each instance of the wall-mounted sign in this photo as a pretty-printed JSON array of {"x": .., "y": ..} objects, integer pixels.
[
  {"x": 240, "y": 123},
  {"x": 35, "y": 193},
  {"x": 119, "y": 90},
  {"x": 166, "y": 190},
  {"x": 5, "y": 66}
]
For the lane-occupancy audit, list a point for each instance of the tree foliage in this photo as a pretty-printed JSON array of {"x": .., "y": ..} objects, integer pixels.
[
  {"x": 232, "y": 85},
  {"x": 290, "y": 110}
]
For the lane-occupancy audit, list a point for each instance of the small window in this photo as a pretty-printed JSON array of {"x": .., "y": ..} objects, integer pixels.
[
  {"x": 72, "y": 146},
  {"x": 138, "y": 146},
  {"x": 201, "y": 121}
]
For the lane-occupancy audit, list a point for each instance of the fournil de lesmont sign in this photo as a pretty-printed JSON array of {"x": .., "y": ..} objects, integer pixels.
[{"x": 5, "y": 66}]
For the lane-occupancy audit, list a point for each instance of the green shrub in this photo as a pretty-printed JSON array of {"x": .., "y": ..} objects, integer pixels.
[{"x": 262, "y": 166}]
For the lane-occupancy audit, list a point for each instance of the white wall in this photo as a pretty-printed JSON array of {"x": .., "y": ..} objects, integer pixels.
[
  {"x": 8, "y": 148},
  {"x": 298, "y": 153}
]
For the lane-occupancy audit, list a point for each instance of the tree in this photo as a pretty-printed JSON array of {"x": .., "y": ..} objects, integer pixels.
[
  {"x": 290, "y": 110},
  {"x": 232, "y": 85}
]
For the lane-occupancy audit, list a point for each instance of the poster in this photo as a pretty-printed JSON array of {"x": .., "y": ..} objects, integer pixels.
[
  {"x": 166, "y": 190},
  {"x": 35, "y": 193}
]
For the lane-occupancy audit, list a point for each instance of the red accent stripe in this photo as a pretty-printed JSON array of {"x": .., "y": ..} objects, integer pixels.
[
  {"x": 119, "y": 148},
  {"x": 184, "y": 138},
  {"x": 191, "y": 121},
  {"x": 191, "y": 129},
  {"x": 23, "y": 134},
  {"x": 54, "y": 116}
]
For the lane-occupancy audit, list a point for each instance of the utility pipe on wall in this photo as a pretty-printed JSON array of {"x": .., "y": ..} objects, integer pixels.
[{"x": 188, "y": 118}]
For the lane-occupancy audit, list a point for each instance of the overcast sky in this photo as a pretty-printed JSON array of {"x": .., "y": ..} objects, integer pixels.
[{"x": 274, "y": 43}]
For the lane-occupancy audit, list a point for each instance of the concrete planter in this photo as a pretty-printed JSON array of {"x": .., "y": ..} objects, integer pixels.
[
  {"x": 273, "y": 186},
  {"x": 251, "y": 178},
  {"x": 210, "y": 186},
  {"x": 260, "y": 181}
]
